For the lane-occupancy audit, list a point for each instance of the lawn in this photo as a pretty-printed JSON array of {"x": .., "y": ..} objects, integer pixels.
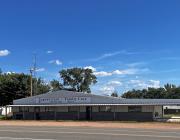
[
  {"x": 2, "y": 117},
  {"x": 171, "y": 115}
]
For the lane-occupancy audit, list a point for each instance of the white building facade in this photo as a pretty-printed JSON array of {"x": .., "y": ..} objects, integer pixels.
[{"x": 68, "y": 105}]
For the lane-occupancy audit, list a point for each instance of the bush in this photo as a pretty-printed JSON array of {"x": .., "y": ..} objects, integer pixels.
[{"x": 2, "y": 117}]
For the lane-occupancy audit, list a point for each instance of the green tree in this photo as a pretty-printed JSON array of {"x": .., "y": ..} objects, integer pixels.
[
  {"x": 56, "y": 85},
  {"x": 114, "y": 94},
  {"x": 13, "y": 86},
  {"x": 133, "y": 94},
  {"x": 17, "y": 85},
  {"x": 42, "y": 87},
  {"x": 1, "y": 71},
  {"x": 169, "y": 91},
  {"x": 78, "y": 79}
]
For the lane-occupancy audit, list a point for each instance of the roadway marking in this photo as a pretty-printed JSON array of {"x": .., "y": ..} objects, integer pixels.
[
  {"x": 119, "y": 130},
  {"x": 12, "y": 138},
  {"x": 106, "y": 130},
  {"x": 89, "y": 133}
]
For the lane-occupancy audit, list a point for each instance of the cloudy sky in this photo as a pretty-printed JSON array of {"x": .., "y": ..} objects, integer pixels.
[{"x": 128, "y": 43}]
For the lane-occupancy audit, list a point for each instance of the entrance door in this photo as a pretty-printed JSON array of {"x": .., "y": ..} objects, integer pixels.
[
  {"x": 37, "y": 111},
  {"x": 88, "y": 113}
]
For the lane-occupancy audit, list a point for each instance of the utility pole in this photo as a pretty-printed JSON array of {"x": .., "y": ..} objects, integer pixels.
[
  {"x": 31, "y": 80},
  {"x": 33, "y": 86},
  {"x": 34, "y": 73}
]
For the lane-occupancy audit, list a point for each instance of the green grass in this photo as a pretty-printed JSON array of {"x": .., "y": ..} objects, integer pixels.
[
  {"x": 2, "y": 117},
  {"x": 171, "y": 115}
]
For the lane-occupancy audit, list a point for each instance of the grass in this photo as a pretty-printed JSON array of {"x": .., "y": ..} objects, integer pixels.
[
  {"x": 2, "y": 117},
  {"x": 171, "y": 115}
]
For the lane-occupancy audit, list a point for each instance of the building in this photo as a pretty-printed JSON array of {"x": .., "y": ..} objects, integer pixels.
[
  {"x": 174, "y": 110},
  {"x": 5, "y": 111},
  {"x": 68, "y": 105}
]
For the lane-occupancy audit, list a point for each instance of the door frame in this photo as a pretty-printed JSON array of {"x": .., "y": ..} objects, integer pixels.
[{"x": 88, "y": 113}]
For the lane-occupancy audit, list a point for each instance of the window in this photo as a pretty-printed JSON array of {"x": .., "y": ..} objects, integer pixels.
[
  {"x": 48, "y": 109},
  {"x": 42, "y": 109},
  {"x": 20, "y": 109},
  {"x": 62, "y": 109},
  {"x": 26, "y": 109},
  {"x": 134, "y": 109},
  {"x": 15, "y": 109},
  {"x": 95, "y": 109},
  {"x": 105, "y": 109},
  {"x": 73, "y": 109}
]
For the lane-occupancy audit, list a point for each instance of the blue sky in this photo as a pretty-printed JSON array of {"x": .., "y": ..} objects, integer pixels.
[{"x": 128, "y": 43}]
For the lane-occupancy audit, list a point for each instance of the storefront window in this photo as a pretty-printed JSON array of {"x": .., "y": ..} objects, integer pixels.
[
  {"x": 105, "y": 109},
  {"x": 20, "y": 109},
  {"x": 26, "y": 109},
  {"x": 134, "y": 109},
  {"x": 73, "y": 109}
]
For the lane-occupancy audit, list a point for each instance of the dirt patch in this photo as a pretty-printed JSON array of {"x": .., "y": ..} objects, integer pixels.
[{"x": 148, "y": 125}]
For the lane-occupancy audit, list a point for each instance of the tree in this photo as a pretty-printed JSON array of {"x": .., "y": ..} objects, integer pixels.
[
  {"x": 114, "y": 94},
  {"x": 168, "y": 87},
  {"x": 17, "y": 85},
  {"x": 1, "y": 71},
  {"x": 169, "y": 91},
  {"x": 42, "y": 87},
  {"x": 133, "y": 94},
  {"x": 78, "y": 79},
  {"x": 56, "y": 85},
  {"x": 13, "y": 86}
]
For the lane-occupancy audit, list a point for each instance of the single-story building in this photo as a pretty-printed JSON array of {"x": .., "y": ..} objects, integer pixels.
[
  {"x": 5, "y": 111},
  {"x": 172, "y": 110},
  {"x": 69, "y": 105}
]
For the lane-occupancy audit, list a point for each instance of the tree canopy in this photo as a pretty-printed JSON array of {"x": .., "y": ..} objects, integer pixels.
[
  {"x": 78, "y": 79},
  {"x": 56, "y": 85},
  {"x": 114, "y": 94},
  {"x": 169, "y": 91},
  {"x": 15, "y": 86}
]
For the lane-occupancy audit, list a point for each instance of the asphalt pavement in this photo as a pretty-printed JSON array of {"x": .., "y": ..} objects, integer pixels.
[{"x": 84, "y": 133}]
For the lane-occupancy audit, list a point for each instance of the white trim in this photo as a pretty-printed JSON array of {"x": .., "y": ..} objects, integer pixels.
[{"x": 94, "y": 105}]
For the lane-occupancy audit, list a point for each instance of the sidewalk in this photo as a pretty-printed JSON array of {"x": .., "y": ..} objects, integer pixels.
[{"x": 146, "y": 125}]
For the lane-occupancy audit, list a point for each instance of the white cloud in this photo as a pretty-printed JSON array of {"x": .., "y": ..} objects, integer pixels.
[
  {"x": 56, "y": 62},
  {"x": 49, "y": 52},
  {"x": 115, "y": 72},
  {"x": 135, "y": 64},
  {"x": 107, "y": 90},
  {"x": 102, "y": 74},
  {"x": 90, "y": 67},
  {"x": 137, "y": 77},
  {"x": 110, "y": 87},
  {"x": 155, "y": 83},
  {"x": 4, "y": 52},
  {"x": 107, "y": 55},
  {"x": 40, "y": 69},
  {"x": 120, "y": 72},
  {"x": 145, "y": 84},
  {"x": 125, "y": 72},
  {"x": 114, "y": 83},
  {"x": 10, "y": 72},
  {"x": 138, "y": 83}
]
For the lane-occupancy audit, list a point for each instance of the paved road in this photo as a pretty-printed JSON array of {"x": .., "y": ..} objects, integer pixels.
[{"x": 82, "y": 133}]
